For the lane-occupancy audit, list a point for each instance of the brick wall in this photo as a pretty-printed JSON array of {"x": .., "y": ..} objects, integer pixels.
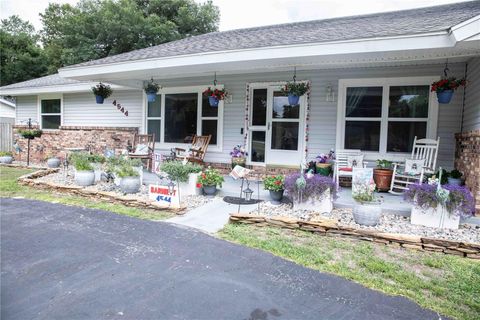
[
  {"x": 55, "y": 142},
  {"x": 467, "y": 160}
]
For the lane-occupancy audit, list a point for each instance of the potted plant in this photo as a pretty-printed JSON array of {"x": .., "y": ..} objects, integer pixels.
[
  {"x": 97, "y": 161},
  {"x": 294, "y": 90},
  {"x": 210, "y": 179},
  {"x": 445, "y": 88},
  {"x": 84, "y": 174},
  {"x": 214, "y": 96},
  {"x": 185, "y": 174},
  {"x": 439, "y": 206},
  {"x": 129, "y": 178},
  {"x": 6, "y": 157},
  {"x": 314, "y": 193},
  {"x": 323, "y": 163},
  {"x": 455, "y": 177},
  {"x": 276, "y": 186},
  {"x": 101, "y": 92},
  {"x": 53, "y": 162},
  {"x": 30, "y": 133},
  {"x": 367, "y": 210},
  {"x": 382, "y": 175},
  {"x": 239, "y": 156},
  {"x": 151, "y": 90}
]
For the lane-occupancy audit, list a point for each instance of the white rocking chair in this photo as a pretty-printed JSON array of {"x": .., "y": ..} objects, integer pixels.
[
  {"x": 426, "y": 149},
  {"x": 341, "y": 163}
]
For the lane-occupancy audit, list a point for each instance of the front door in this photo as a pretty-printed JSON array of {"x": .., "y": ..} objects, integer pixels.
[{"x": 276, "y": 128}]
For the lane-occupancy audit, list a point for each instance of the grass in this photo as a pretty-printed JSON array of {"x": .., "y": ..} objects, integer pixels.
[
  {"x": 447, "y": 284},
  {"x": 10, "y": 188}
]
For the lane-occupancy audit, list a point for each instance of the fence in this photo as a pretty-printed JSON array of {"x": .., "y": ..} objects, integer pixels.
[{"x": 6, "y": 136}]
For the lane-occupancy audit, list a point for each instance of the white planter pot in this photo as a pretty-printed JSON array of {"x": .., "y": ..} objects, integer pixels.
[
  {"x": 437, "y": 217},
  {"x": 53, "y": 163},
  {"x": 6, "y": 159},
  {"x": 190, "y": 187},
  {"x": 97, "y": 169},
  {"x": 322, "y": 204},
  {"x": 130, "y": 184},
  {"x": 84, "y": 178},
  {"x": 367, "y": 214},
  {"x": 139, "y": 169}
]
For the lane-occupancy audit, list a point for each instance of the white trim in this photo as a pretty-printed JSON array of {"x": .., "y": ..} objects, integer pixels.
[
  {"x": 385, "y": 83},
  {"x": 40, "y": 115},
  {"x": 67, "y": 88},
  {"x": 161, "y": 145}
]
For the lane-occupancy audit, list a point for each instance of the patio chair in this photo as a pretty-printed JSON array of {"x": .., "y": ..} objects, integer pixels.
[
  {"x": 143, "y": 148},
  {"x": 343, "y": 167},
  {"x": 196, "y": 153},
  {"x": 404, "y": 175}
]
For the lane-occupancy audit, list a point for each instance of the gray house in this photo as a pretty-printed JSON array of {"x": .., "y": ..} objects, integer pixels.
[{"x": 367, "y": 74}]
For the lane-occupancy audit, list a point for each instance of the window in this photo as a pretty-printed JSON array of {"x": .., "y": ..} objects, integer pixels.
[
  {"x": 179, "y": 114},
  {"x": 50, "y": 113},
  {"x": 384, "y": 115}
]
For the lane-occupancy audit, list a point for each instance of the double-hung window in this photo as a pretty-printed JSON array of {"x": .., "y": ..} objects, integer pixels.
[
  {"x": 384, "y": 115},
  {"x": 180, "y": 113},
  {"x": 50, "y": 113}
]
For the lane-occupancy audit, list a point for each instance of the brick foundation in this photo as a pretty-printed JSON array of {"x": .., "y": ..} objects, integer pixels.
[
  {"x": 225, "y": 168},
  {"x": 55, "y": 142},
  {"x": 467, "y": 160}
]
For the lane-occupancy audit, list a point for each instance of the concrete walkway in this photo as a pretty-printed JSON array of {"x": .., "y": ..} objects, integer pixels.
[{"x": 211, "y": 217}]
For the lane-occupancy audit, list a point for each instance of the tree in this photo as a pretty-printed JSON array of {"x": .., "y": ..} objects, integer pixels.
[
  {"x": 95, "y": 29},
  {"x": 21, "y": 57}
]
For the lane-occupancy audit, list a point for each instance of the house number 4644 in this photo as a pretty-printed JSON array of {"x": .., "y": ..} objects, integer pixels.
[{"x": 120, "y": 108}]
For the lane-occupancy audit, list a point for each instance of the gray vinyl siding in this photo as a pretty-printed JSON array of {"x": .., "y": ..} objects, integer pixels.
[
  {"x": 27, "y": 108},
  {"x": 471, "y": 113},
  {"x": 80, "y": 109}
]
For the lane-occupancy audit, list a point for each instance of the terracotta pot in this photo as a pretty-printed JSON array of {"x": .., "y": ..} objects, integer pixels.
[{"x": 383, "y": 179}]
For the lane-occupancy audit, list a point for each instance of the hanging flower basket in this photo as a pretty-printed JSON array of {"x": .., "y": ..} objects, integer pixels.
[
  {"x": 101, "y": 92},
  {"x": 151, "y": 90},
  {"x": 31, "y": 133},
  {"x": 294, "y": 90},
  {"x": 214, "y": 96},
  {"x": 446, "y": 87}
]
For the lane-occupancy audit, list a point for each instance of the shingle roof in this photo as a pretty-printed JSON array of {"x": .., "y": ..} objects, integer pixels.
[
  {"x": 413, "y": 21},
  {"x": 51, "y": 80}
]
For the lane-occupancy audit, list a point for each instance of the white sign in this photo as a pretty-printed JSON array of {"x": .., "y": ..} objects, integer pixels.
[{"x": 161, "y": 194}]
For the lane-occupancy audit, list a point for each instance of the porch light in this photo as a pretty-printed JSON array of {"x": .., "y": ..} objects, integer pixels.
[{"x": 330, "y": 94}]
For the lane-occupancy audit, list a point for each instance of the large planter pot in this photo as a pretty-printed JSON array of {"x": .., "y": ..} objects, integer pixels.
[
  {"x": 213, "y": 101},
  {"x": 84, "y": 178},
  {"x": 238, "y": 162},
  {"x": 437, "y": 217},
  {"x": 383, "y": 179},
  {"x": 454, "y": 181},
  {"x": 325, "y": 169},
  {"x": 276, "y": 196},
  {"x": 444, "y": 96},
  {"x": 293, "y": 99},
  {"x": 6, "y": 159},
  {"x": 209, "y": 190},
  {"x": 189, "y": 188},
  {"x": 367, "y": 214},
  {"x": 53, "y": 163},
  {"x": 130, "y": 184},
  {"x": 99, "y": 99},
  {"x": 151, "y": 96},
  {"x": 321, "y": 204},
  {"x": 97, "y": 169}
]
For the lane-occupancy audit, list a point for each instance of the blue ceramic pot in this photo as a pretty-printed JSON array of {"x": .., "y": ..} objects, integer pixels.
[
  {"x": 444, "y": 96},
  {"x": 151, "y": 96},
  {"x": 209, "y": 190},
  {"x": 293, "y": 99},
  {"x": 99, "y": 99},
  {"x": 213, "y": 101}
]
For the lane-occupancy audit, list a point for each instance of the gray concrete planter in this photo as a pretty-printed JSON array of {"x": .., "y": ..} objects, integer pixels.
[
  {"x": 276, "y": 196},
  {"x": 209, "y": 190},
  {"x": 6, "y": 159},
  {"x": 367, "y": 214},
  {"x": 130, "y": 184},
  {"x": 84, "y": 178},
  {"x": 97, "y": 169},
  {"x": 53, "y": 163}
]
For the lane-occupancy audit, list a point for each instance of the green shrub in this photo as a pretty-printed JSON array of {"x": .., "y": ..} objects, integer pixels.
[
  {"x": 126, "y": 170},
  {"x": 113, "y": 163},
  {"x": 5, "y": 154},
  {"x": 455, "y": 174},
  {"x": 80, "y": 161},
  {"x": 177, "y": 171},
  {"x": 96, "y": 158}
]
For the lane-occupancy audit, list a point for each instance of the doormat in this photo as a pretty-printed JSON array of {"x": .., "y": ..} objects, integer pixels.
[{"x": 241, "y": 201}]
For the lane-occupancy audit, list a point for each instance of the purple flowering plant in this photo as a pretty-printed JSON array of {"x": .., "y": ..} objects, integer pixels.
[
  {"x": 325, "y": 158},
  {"x": 315, "y": 186},
  {"x": 238, "y": 152},
  {"x": 458, "y": 202}
]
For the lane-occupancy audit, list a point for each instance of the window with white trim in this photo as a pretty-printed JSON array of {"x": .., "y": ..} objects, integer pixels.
[
  {"x": 177, "y": 115},
  {"x": 384, "y": 115},
  {"x": 50, "y": 113}
]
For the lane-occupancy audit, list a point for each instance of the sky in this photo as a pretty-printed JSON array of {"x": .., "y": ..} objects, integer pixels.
[{"x": 237, "y": 14}]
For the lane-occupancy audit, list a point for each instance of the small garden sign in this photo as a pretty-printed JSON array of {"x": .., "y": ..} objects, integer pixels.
[{"x": 164, "y": 196}]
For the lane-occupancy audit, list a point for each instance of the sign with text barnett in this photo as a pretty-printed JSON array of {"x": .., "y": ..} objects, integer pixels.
[{"x": 161, "y": 195}]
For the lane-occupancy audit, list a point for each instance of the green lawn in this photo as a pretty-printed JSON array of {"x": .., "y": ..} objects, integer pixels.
[
  {"x": 447, "y": 284},
  {"x": 10, "y": 188}
]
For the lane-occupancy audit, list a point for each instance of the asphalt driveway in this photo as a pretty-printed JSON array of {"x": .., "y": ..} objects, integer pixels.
[{"x": 61, "y": 262}]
